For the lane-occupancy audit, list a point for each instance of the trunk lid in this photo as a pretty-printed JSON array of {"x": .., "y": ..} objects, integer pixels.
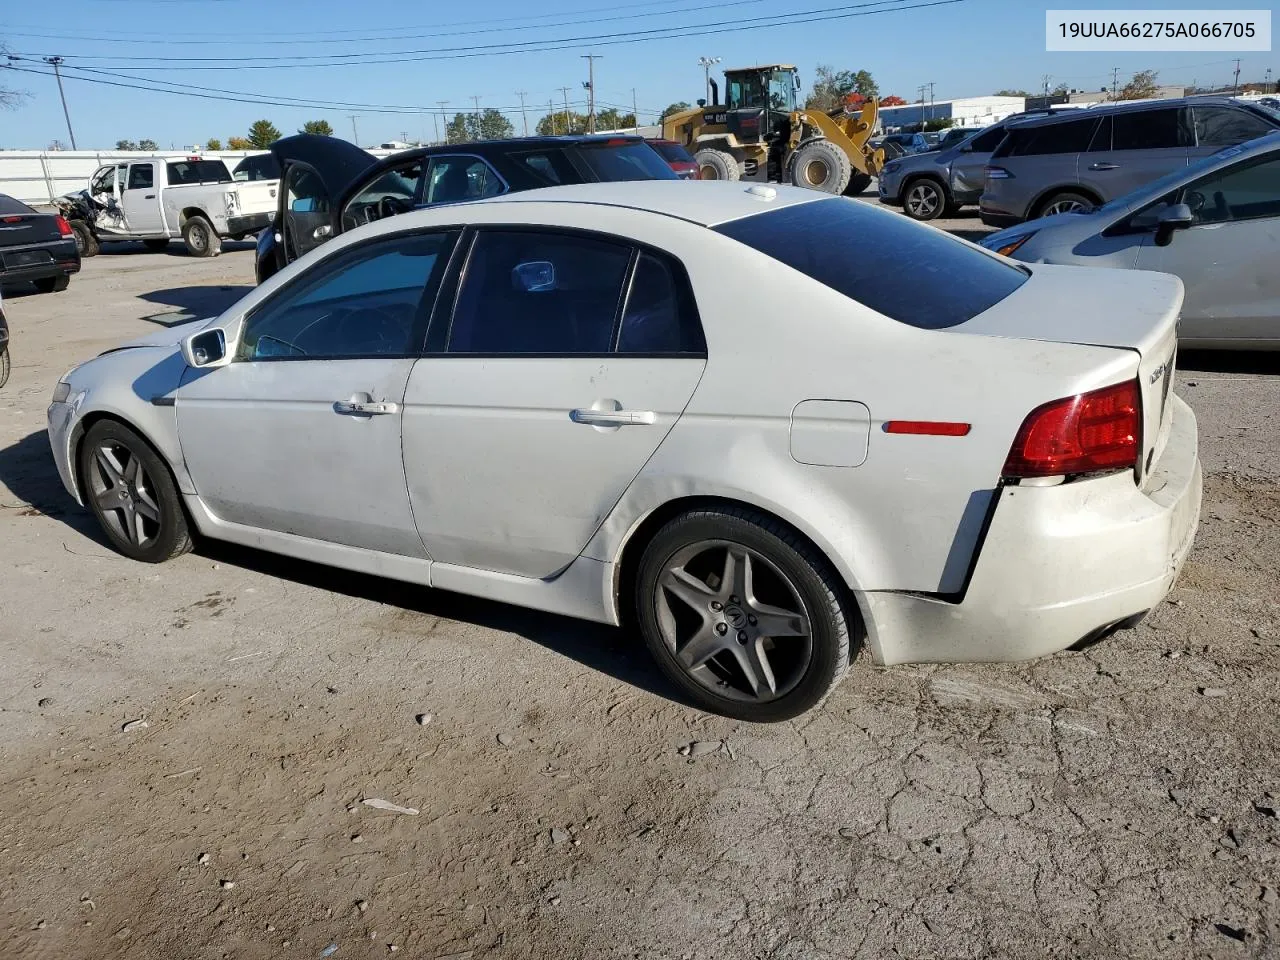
[
  {"x": 1126, "y": 309},
  {"x": 21, "y": 229}
]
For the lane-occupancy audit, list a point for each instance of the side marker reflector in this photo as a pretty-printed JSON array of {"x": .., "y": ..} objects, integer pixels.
[{"x": 927, "y": 428}]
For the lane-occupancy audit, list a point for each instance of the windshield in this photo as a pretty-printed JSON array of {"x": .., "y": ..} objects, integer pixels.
[
  {"x": 628, "y": 160},
  {"x": 1170, "y": 180},
  {"x": 744, "y": 90}
]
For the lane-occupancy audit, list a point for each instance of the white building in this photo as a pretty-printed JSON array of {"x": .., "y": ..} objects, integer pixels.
[{"x": 965, "y": 112}]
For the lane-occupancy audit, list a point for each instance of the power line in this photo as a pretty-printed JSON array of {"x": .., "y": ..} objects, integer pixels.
[{"x": 818, "y": 15}]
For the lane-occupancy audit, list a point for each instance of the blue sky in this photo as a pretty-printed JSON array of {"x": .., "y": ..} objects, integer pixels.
[{"x": 966, "y": 48}]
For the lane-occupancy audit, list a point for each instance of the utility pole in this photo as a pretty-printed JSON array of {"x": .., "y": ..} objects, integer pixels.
[
  {"x": 635, "y": 112},
  {"x": 551, "y": 112},
  {"x": 524, "y": 119},
  {"x": 591, "y": 59},
  {"x": 1045, "y": 83},
  {"x": 57, "y": 61},
  {"x": 435, "y": 125},
  {"x": 1115, "y": 82},
  {"x": 354, "y": 132},
  {"x": 931, "y": 111},
  {"x": 921, "y": 88},
  {"x": 1235, "y": 85},
  {"x": 1267, "y": 87},
  {"x": 707, "y": 63},
  {"x": 443, "y": 119},
  {"x": 568, "y": 120}
]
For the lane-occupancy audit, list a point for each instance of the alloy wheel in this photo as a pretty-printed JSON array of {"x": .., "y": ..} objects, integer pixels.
[
  {"x": 923, "y": 200},
  {"x": 123, "y": 491},
  {"x": 733, "y": 621},
  {"x": 1070, "y": 205}
]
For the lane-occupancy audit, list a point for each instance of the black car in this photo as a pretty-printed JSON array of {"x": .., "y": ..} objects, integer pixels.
[
  {"x": 35, "y": 247},
  {"x": 329, "y": 185}
]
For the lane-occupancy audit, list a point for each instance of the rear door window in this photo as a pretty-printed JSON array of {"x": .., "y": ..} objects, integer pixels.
[
  {"x": 1150, "y": 130},
  {"x": 1227, "y": 126},
  {"x": 948, "y": 282},
  {"x": 624, "y": 160},
  {"x": 1071, "y": 136}
]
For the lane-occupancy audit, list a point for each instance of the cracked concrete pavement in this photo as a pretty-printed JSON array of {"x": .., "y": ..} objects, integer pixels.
[{"x": 1094, "y": 804}]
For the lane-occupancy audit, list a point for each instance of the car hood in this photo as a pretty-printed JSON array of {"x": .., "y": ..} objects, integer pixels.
[{"x": 164, "y": 337}]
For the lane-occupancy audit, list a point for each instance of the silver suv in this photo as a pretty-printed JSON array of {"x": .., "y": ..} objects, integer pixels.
[
  {"x": 1062, "y": 164},
  {"x": 929, "y": 184}
]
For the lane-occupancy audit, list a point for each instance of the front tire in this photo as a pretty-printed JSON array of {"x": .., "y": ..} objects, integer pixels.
[
  {"x": 717, "y": 165},
  {"x": 132, "y": 493},
  {"x": 86, "y": 243},
  {"x": 743, "y": 614},
  {"x": 52, "y": 284},
  {"x": 200, "y": 237},
  {"x": 924, "y": 199},
  {"x": 821, "y": 165}
]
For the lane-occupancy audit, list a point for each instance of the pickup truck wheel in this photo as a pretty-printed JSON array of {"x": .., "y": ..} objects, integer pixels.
[
  {"x": 200, "y": 238},
  {"x": 86, "y": 242},
  {"x": 157, "y": 245}
]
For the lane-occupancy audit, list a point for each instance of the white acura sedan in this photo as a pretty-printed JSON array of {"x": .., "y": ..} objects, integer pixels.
[{"x": 761, "y": 424}]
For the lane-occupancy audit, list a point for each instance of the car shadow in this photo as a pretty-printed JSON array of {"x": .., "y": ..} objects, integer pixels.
[
  {"x": 192, "y": 303},
  {"x": 28, "y": 470},
  {"x": 176, "y": 248},
  {"x": 1228, "y": 361}
]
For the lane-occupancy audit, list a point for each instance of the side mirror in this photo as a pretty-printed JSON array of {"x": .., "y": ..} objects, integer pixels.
[
  {"x": 535, "y": 276},
  {"x": 1175, "y": 217},
  {"x": 208, "y": 348},
  {"x": 322, "y": 232},
  {"x": 303, "y": 205}
]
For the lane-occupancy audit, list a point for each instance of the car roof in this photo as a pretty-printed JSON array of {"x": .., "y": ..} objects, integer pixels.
[
  {"x": 708, "y": 203},
  {"x": 1110, "y": 109}
]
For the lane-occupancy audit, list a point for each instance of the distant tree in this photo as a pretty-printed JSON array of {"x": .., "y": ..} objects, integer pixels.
[
  {"x": 831, "y": 89},
  {"x": 126, "y": 145},
  {"x": 213, "y": 144},
  {"x": 147, "y": 145},
  {"x": 1060, "y": 90},
  {"x": 263, "y": 134},
  {"x": 489, "y": 124},
  {"x": 893, "y": 101},
  {"x": 1011, "y": 93},
  {"x": 611, "y": 119},
  {"x": 320, "y": 128},
  {"x": 562, "y": 123},
  {"x": 939, "y": 123},
  {"x": 239, "y": 143},
  {"x": 1142, "y": 86},
  {"x": 673, "y": 108}
]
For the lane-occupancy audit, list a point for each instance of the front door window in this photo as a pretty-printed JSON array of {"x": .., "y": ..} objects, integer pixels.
[{"x": 307, "y": 210}]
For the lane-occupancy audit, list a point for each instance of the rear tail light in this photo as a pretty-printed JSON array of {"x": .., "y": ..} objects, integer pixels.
[
  {"x": 1096, "y": 431},
  {"x": 64, "y": 228},
  {"x": 12, "y": 219},
  {"x": 998, "y": 173}
]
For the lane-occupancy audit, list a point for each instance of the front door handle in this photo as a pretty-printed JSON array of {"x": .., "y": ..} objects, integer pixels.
[
  {"x": 149, "y": 196},
  {"x": 613, "y": 418},
  {"x": 364, "y": 408},
  {"x": 1104, "y": 166}
]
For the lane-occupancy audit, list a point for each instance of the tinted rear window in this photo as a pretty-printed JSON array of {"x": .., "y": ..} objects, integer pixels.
[
  {"x": 628, "y": 161},
  {"x": 1150, "y": 130},
  {"x": 12, "y": 207},
  {"x": 1070, "y": 137},
  {"x": 672, "y": 152},
  {"x": 198, "y": 171},
  {"x": 906, "y": 271}
]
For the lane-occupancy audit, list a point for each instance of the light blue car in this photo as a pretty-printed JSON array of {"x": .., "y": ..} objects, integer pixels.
[{"x": 1215, "y": 224}]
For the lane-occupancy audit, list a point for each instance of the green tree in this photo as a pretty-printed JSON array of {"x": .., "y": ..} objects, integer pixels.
[
  {"x": 1142, "y": 86},
  {"x": 673, "y": 108},
  {"x": 263, "y": 134},
  {"x": 1011, "y": 93},
  {"x": 320, "y": 128},
  {"x": 147, "y": 145},
  {"x": 939, "y": 123},
  {"x": 831, "y": 88},
  {"x": 213, "y": 144},
  {"x": 489, "y": 124},
  {"x": 611, "y": 119},
  {"x": 126, "y": 145},
  {"x": 239, "y": 143},
  {"x": 561, "y": 123},
  {"x": 1060, "y": 90}
]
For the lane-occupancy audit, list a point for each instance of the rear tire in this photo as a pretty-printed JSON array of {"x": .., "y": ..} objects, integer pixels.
[
  {"x": 695, "y": 600},
  {"x": 858, "y": 183},
  {"x": 52, "y": 284},
  {"x": 201, "y": 239},
  {"x": 4, "y": 365},
  {"x": 131, "y": 492},
  {"x": 86, "y": 243},
  {"x": 717, "y": 165},
  {"x": 157, "y": 245},
  {"x": 821, "y": 165},
  {"x": 1068, "y": 201},
  {"x": 924, "y": 199}
]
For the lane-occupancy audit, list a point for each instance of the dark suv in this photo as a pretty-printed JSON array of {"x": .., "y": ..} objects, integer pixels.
[
  {"x": 329, "y": 186},
  {"x": 1078, "y": 161}
]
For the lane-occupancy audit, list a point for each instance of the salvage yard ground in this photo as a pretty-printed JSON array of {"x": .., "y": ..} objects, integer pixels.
[{"x": 1120, "y": 802}]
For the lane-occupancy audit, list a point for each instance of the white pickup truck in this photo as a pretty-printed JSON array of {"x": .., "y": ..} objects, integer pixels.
[{"x": 157, "y": 199}]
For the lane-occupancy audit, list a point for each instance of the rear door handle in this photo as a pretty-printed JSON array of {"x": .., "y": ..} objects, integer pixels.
[
  {"x": 1104, "y": 166},
  {"x": 362, "y": 408},
  {"x": 613, "y": 418}
]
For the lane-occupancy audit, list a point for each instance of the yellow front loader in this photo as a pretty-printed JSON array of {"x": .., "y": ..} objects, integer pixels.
[{"x": 759, "y": 134}]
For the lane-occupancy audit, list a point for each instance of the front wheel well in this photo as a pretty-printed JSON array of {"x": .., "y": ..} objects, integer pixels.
[
  {"x": 77, "y": 445},
  {"x": 633, "y": 549}
]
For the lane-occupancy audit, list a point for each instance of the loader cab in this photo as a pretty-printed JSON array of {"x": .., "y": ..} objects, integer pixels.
[{"x": 759, "y": 101}]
